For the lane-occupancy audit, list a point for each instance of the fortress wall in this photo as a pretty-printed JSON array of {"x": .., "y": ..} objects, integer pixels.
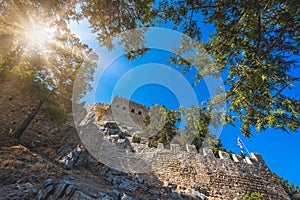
[
  {"x": 126, "y": 113},
  {"x": 230, "y": 175}
]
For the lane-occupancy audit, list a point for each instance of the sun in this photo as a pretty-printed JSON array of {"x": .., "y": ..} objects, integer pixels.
[{"x": 37, "y": 35}]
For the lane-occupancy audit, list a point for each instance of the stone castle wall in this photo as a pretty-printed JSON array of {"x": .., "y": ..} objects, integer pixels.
[
  {"x": 230, "y": 176},
  {"x": 125, "y": 113}
]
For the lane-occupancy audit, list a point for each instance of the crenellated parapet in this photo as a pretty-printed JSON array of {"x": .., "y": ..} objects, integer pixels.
[
  {"x": 229, "y": 174},
  {"x": 226, "y": 161}
]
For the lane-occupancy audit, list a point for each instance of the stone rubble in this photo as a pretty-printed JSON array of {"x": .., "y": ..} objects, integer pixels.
[
  {"x": 189, "y": 174},
  {"x": 18, "y": 191},
  {"x": 131, "y": 183},
  {"x": 64, "y": 189},
  {"x": 74, "y": 157},
  {"x": 195, "y": 177}
]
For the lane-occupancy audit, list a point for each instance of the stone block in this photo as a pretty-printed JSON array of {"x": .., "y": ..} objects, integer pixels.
[
  {"x": 160, "y": 146},
  {"x": 175, "y": 148},
  {"x": 208, "y": 153},
  {"x": 191, "y": 148},
  {"x": 247, "y": 159},
  {"x": 224, "y": 155},
  {"x": 237, "y": 158}
]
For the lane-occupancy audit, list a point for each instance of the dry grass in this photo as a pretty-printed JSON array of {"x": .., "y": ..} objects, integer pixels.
[
  {"x": 19, "y": 164},
  {"x": 10, "y": 164},
  {"x": 100, "y": 113}
]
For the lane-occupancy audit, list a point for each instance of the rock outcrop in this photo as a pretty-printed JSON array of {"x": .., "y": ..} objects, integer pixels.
[
  {"x": 227, "y": 177},
  {"x": 29, "y": 170}
]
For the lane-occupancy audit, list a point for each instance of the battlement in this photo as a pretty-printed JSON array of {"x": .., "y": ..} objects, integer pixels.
[
  {"x": 191, "y": 149},
  {"x": 161, "y": 157},
  {"x": 228, "y": 174}
]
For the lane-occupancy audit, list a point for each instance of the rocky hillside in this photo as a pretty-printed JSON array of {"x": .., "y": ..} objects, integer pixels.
[
  {"x": 70, "y": 172},
  {"x": 50, "y": 162}
]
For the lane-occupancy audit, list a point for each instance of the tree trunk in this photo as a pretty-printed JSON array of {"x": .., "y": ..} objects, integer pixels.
[{"x": 19, "y": 131}]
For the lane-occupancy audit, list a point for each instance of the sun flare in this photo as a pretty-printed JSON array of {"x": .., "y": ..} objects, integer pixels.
[{"x": 37, "y": 36}]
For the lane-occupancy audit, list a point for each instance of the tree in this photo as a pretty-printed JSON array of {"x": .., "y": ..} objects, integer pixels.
[
  {"x": 255, "y": 44},
  {"x": 196, "y": 130},
  {"x": 160, "y": 125},
  {"x": 292, "y": 190},
  {"x": 41, "y": 50},
  {"x": 196, "y": 126},
  {"x": 109, "y": 18}
]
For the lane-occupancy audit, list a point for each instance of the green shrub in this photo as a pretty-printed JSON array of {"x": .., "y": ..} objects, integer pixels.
[
  {"x": 55, "y": 113},
  {"x": 136, "y": 139},
  {"x": 253, "y": 196}
]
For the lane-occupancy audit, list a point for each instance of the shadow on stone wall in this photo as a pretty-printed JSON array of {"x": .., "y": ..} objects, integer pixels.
[{"x": 229, "y": 176}]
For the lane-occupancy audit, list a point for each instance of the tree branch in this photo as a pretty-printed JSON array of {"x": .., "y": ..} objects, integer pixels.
[{"x": 282, "y": 32}]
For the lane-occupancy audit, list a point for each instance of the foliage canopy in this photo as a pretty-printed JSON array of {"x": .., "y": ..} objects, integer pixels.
[{"x": 255, "y": 45}]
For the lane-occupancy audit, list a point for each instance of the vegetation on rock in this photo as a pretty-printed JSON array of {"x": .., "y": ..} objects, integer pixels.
[
  {"x": 253, "y": 196},
  {"x": 255, "y": 46},
  {"x": 292, "y": 190}
]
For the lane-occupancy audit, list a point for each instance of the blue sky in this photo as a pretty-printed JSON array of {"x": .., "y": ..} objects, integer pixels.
[{"x": 279, "y": 149}]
